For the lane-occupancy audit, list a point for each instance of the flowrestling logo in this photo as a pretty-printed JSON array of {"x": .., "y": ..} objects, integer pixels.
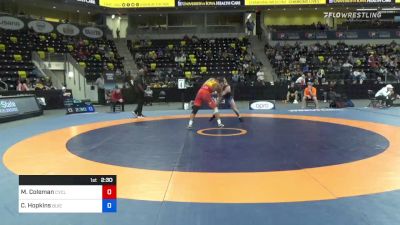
[
  {"x": 191, "y": 3},
  {"x": 353, "y": 15},
  {"x": 7, "y": 106},
  {"x": 262, "y": 105}
]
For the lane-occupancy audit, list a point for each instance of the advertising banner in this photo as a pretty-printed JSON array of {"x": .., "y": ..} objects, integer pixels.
[
  {"x": 68, "y": 29},
  {"x": 284, "y": 2},
  {"x": 40, "y": 26},
  {"x": 209, "y": 3},
  {"x": 335, "y": 35},
  {"x": 137, "y": 3},
  {"x": 92, "y": 32},
  {"x": 11, "y": 23}
]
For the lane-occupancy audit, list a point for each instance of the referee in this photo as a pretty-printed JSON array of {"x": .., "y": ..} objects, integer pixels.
[{"x": 138, "y": 88}]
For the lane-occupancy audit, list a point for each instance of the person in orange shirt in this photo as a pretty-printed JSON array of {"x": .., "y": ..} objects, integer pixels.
[
  {"x": 310, "y": 93},
  {"x": 204, "y": 96}
]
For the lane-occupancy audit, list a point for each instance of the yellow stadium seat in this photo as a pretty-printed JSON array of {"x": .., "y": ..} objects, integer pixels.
[
  {"x": 188, "y": 74},
  {"x": 153, "y": 66},
  {"x": 244, "y": 48},
  {"x": 321, "y": 58},
  {"x": 22, "y": 74},
  {"x": 110, "y": 66},
  {"x": 112, "y": 55},
  {"x": 2, "y": 47},
  {"x": 193, "y": 61},
  {"x": 233, "y": 45},
  {"x": 50, "y": 49},
  {"x": 183, "y": 43},
  {"x": 53, "y": 35},
  {"x": 191, "y": 56},
  {"x": 42, "y": 38},
  {"x": 70, "y": 48},
  {"x": 41, "y": 54},
  {"x": 13, "y": 39},
  {"x": 170, "y": 46},
  {"x": 85, "y": 42},
  {"x": 82, "y": 64},
  {"x": 136, "y": 46},
  {"x": 18, "y": 58},
  {"x": 203, "y": 69},
  {"x": 234, "y": 72},
  {"x": 97, "y": 57}
]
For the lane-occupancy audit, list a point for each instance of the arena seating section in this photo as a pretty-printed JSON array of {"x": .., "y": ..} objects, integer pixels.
[
  {"x": 16, "y": 47},
  {"x": 203, "y": 57},
  {"x": 15, "y": 55},
  {"x": 332, "y": 57}
]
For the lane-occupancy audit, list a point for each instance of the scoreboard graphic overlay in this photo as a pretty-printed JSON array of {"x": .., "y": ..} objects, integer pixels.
[{"x": 67, "y": 194}]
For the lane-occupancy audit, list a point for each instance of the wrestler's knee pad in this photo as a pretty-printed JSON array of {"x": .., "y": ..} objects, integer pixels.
[{"x": 216, "y": 110}]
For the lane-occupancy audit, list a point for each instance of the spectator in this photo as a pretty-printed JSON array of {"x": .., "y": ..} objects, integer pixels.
[
  {"x": 22, "y": 85},
  {"x": 118, "y": 31},
  {"x": 310, "y": 94},
  {"x": 250, "y": 27},
  {"x": 148, "y": 96},
  {"x": 117, "y": 99},
  {"x": 292, "y": 94},
  {"x": 386, "y": 95}
]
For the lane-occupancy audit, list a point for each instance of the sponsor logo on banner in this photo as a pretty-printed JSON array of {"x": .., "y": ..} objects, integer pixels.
[
  {"x": 353, "y": 15},
  {"x": 190, "y": 3},
  {"x": 262, "y": 105},
  {"x": 321, "y": 35},
  {"x": 309, "y": 35},
  {"x": 40, "y": 26},
  {"x": 284, "y": 2},
  {"x": 348, "y": 35},
  {"x": 93, "y": 2},
  {"x": 68, "y": 29},
  {"x": 359, "y": 1},
  {"x": 379, "y": 34},
  {"x": 137, "y": 3},
  {"x": 7, "y": 106},
  {"x": 92, "y": 32},
  {"x": 11, "y": 23}
]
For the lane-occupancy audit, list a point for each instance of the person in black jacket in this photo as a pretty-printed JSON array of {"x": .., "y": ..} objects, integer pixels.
[{"x": 138, "y": 88}]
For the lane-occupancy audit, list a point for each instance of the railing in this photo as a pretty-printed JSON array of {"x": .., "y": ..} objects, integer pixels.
[
  {"x": 5, "y": 85},
  {"x": 75, "y": 64},
  {"x": 42, "y": 66}
]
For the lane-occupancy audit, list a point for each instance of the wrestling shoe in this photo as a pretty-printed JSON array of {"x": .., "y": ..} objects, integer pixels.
[
  {"x": 190, "y": 126},
  {"x": 220, "y": 125},
  {"x": 240, "y": 119},
  {"x": 135, "y": 115},
  {"x": 211, "y": 119}
]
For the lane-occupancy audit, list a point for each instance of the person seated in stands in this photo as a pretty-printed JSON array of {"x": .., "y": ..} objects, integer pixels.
[
  {"x": 292, "y": 94},
  {"x": 359, "y": 76},
  {"x": 67, "y": 94},
  {"x": 148, "y": 95},
  {"x": 117, "y": 99},
  {"x": 386, "y": 95},
  {"x": 379, "y": 80},
  {"x": 310, "y": 94},
  {"x": 321, "y": 75},
  {"x": 397, "y": 74},
  {"x": 22, "y": 85},
  {"x": 302, "y": 60}
]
